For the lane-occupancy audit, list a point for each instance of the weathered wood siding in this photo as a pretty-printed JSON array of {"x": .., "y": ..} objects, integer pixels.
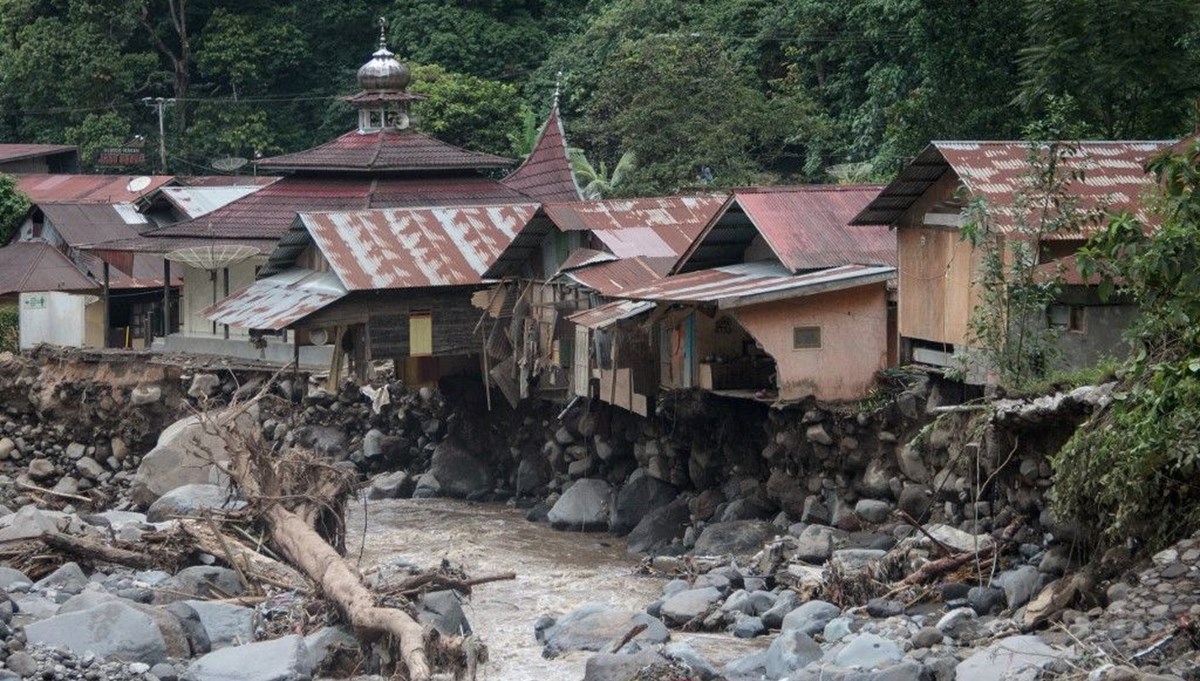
[{"x": 386, "y": 315}]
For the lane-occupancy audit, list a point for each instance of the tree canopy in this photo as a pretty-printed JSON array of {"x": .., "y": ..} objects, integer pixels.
[{"x": 733, "y": 90}]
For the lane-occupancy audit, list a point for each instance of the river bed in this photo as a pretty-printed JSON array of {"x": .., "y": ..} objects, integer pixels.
[{"x": 556, "y": 573}]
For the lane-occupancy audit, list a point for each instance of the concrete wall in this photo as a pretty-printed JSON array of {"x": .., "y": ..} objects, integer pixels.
[
  {"x": 276, "y": 351},
  {"x": 198, "y": 294},
  {"x": 853, "y": 342},
  {"x": 55, "y": 318}
]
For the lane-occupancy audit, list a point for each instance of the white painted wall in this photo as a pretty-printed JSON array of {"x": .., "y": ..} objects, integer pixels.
[
  {"x": 198, "y": 294},
  {"x": 54, "y": 317}
]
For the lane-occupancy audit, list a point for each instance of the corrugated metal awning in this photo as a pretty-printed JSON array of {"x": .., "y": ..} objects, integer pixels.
[
  {"x": 610, "y": 313},
  {"x": 756, "y": 282},
  {"x": 278, "y": 301}
]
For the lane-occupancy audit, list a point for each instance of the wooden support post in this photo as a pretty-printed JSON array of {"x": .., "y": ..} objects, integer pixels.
[
  {"x": 295, "y": 360},
  {"x": 226, "y": 275},
  {"x": 166, "y": 305},
  {"x": 107, "y": 299}
]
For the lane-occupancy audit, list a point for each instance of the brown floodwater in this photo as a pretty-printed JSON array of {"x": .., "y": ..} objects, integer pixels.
[{"x": 556, "y": 573}]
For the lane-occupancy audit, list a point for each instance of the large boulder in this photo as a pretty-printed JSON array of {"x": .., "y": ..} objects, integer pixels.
[
  {"x": 869, "y": 651},
  {"x": 192, "y": 500},
  {"x": 791, "y": 650},
  {"x": 443, "y": 611},
  {"x": 185, "y": 454},
  {"x": 687, "y": 605},
  {"x": 810, "y": 617},
  {"x": 659, "y": 528},
  {"x": 584, "y": 506},
  {"x": 611, "y": 667},
  {"x": 199, "y": 582},
  {"x": 283, "y": 659},
  {"x": 738, "y": 537},
  {"x": 224, "y": 624},
  {"x": 458, "y": 474},
  {"x": 636, "y": 498},
  {"x": 596, "y": 626},
  {"x": 110, "y": 630},
  {"x": 1014, "y": 658}
]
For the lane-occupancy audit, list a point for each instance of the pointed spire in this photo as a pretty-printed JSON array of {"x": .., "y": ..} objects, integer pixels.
[
  {"x": 557, "y": 88},
  {"x": 383, "y": 33}
]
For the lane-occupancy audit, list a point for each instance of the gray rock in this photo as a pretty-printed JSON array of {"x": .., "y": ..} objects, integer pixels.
[
  {"x": 393, "y": 485},
  {"x": 372, "y": 445},
  {"x": 192, "y": 500},
  {"x": 1009, "y": 659},
  {"x": 659, "y": 528},
  {"x": 740, "y": 538},
  {"x": 198, "y": 582},
  {"x": 146, "y": 394},
  {"x": 958, "y": 622},
  {"x": 193, "y": 630},
  {"x": 856, "y": 560},
  {"x": 610, "y": 667},
  {"x": 164, "y": 671},
  {"x": 883, "y": 608},
  {"x": 873, "y": 511},
  {"x": 89, "y": 468},
  {"x": 810, "y": 617},
  {"x": 113, "y": 630},
  {"x": 687, "y": 656},
  {"x": 585, "y": 506},
  {"x": 185, "y": 454},
  {"x": 458, "y": 473},
  {"x": 915, "y": 499},
  {"x": 927, "y": 637},
  {"x": 443, "y": 611},
  {"x": 85, "y": 600},
  {"x": 837, "y": 629},
  {"x": 815, "y": 544},
  {"x": 816, "y": 433},
  {"x": 986, "y": 599},
  {"x": 41, "y": 469},
  {"x": 68, "y": 577},
  {"x": 225, "y": 624},
  {"x": 204, "y": 385},
  {"x": 1020, "y": 585},
  {"x": 635, "y": 499},
  {"x": 10, "y": 578},
  {"x": 791, "y": 650},
  {"x": 749, "y": 627},
  {"x": 869, "y": 651},
  {"x": 22, "y": 663},
  {"x": 326, "y": 641},
  {"x": 533, "y": 474},
  {"x": 786, "y": 602},
  {"x": 27, "y": 523},
  {"x": 283, "y": 659},
  {"x": 687, "y": 605},
  {"x": 815, "y": 511},
  {"x": 594, "y": 625}
]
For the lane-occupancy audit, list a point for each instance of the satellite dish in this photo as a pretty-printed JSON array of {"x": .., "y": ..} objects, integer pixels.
[
  {"x": 402, "y": 121},
  {"x": 229, "y": 163},
  {"x": 138, "y": 184},
  {"x": 318, "y": 336},
  {"x": 212, "y": 257}
]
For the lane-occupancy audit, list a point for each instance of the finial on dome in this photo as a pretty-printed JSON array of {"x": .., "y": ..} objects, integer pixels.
[
  {"x": 557, "y": 87},
  {"x": 383, "y": 33},
  {"x": 383, "y": 71}
]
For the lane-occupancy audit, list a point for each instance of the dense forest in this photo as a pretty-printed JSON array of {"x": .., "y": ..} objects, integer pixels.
[{"x": 746, "y": 91}]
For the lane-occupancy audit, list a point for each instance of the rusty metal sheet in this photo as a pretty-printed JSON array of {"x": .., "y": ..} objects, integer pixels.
[
  {"x": 610, "y": 313},
  {"x": 277, "y": 302},
  {"x": 415, "y": 247},
  {"x": 29, "y": 267},
  {"x": 612, "y": 277},
  {"x": 656, "y": 227},
  {"x": 585, "y": 257},
  {"x": 807, "y": 227},
  {"x": 63, "y": 188},
  {"x": 734, "y": 285},
  {"x": 85, "y": 223},
  {"x": 1113, "y": 176},
  {"x": 194, "y": 201},
  {"x": 385, "y": 150},
  {"x": 19, "y": 152}
]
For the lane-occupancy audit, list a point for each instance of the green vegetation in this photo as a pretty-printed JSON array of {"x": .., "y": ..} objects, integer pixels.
[
  {"x": 744, "y": 90},
  {"x": 10, "y": 332},
  {"x": 13, "y": 206},
  {"x": 1132, "y": 471}
]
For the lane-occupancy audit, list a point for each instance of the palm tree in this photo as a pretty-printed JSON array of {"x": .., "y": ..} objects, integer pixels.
[
  {"x": 524, "y": 141},
  {"x": 598, "y": 183},
  {"x": 851, "y": 173}
]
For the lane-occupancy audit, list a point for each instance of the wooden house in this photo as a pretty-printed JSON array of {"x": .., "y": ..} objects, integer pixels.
[{"x": 939, "y": 269}]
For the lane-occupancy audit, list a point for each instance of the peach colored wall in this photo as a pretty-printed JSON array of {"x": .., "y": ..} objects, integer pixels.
[{"x": 853, "y": 341}]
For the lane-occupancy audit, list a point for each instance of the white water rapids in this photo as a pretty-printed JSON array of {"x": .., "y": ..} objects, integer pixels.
[{"x": 556, "y": 573}]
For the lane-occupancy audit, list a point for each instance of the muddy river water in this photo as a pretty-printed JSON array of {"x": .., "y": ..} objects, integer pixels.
[{"x": 556, "y": 573}]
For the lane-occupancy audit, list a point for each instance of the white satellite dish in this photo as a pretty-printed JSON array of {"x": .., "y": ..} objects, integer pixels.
[
  {"x": 318, "y": 336},
  {"x": 229, "y": 163},
  {"x": 212, "y": 257},
  {"x": 402, "y": 121},
  {"x": 138, "y": 184}
]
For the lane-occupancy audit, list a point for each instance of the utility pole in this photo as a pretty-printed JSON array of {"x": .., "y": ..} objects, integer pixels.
[{"x": 161, "y": 103}]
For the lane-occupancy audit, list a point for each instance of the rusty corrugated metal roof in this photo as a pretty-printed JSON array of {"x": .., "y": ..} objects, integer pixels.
[
  {"x": 612, "y": 277},
  {"x": 278, "y": 301},
  {"x": 270, "y": 212},
  {"x": 545, "y": 175},
  {"x": 28, "y": 267},
  {"x": 585, "y": 257},
  {"x": 610, "y": 313},
  {"x": 415, "y": 247},
  {"x": 655, "y": 227},
  {"x": 149, "y": 243},
  {"x": 193, "y": 201},
  {"x": 384, "y": 151},
  {"x": 86, "y": 223},
  {"x": 756, "y": 282},
  {"x": 806, "y": 227},
  {"x": 131, "y": 270},
  {"x": 64, "y": 188},
  {"x": 1113, "y": 172},
  {"x": 20, "y": 152}
]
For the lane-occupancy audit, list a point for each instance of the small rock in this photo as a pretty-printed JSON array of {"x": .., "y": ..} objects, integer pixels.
[
  {"x": 811, "y": 617},
  {"x": 926, "y": 637}
]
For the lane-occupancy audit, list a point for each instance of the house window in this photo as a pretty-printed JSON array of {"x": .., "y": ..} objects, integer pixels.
[
  {"x": 1070, "y": 318},
  {"x": 420, "y": 333},
  {"x": 806, "y": 337}
]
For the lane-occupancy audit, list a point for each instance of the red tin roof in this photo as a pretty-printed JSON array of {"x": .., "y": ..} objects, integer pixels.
[
  {"x": 278, "y": 301},
  {"x": 610, "y": 313},
  {"x": 806, "y": 227},
  {"x": 612, "y": 277},
  {"x": 28, "y": 266},
  {"x": 546, "y": 174},
  {"x": 1113, "y": 176},
  {"x": 415, "y": 247},
  {"x": 133, "y": 270},
  {"x": 18, "y": 152},
  {"x": 384, "y": 151},
  {"x": 269, "y": 212},
  {"x": 585, "y": 257},
  {"x": 755, "y": 282},
  {"x": 63, "y": 188},
  {"x": 88, "y": 223},
  {"x": 655, "y": 227}
]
